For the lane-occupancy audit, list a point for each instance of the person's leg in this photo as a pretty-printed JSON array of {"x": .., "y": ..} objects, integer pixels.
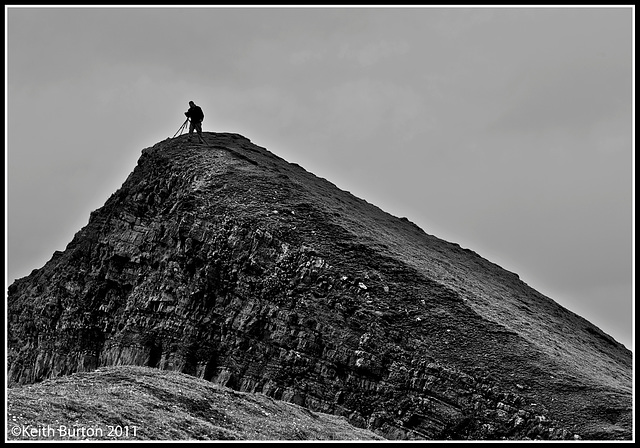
[
  {"x": 191, "y": 126},
  {"x": 199, "y": 130}
]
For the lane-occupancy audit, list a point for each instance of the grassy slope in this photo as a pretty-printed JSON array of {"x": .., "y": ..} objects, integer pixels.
[
  {"x": 161, "y": 405},
  {"x": 492, "y": 292}
]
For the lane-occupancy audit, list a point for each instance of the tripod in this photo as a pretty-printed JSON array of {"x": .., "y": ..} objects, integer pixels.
[{"x": 182, "y": 128}]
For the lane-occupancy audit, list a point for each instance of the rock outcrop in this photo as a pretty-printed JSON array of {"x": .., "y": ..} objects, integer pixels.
[{"x": 226, "y": 262}]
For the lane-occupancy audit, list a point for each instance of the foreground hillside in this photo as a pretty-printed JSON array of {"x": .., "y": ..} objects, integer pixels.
[
  {"x": 226, "y": 262},
  {"x": 142, "y": 403}
]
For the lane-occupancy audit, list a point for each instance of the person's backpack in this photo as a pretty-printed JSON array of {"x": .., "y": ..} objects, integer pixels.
[{"x": 198, "y": 114}]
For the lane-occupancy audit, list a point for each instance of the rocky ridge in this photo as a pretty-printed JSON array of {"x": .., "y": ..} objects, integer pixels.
[{"x": 226, "y": 262}]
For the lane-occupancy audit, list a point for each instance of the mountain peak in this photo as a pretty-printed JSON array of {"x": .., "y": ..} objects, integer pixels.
[{"x": 226, "y": 262}]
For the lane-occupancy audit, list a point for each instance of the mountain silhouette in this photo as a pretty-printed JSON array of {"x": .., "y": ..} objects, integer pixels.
[{"x": 225, "y": 262}]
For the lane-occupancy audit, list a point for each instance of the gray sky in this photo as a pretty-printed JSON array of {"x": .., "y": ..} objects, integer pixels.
[{"x": 505, "y": 130}]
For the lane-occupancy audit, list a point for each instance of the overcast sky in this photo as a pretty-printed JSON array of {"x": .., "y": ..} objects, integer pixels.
[{"x": 505, "y": 130}]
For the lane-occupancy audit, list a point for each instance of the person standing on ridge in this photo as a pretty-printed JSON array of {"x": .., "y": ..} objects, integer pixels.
[{"x": 195, "y": 116}]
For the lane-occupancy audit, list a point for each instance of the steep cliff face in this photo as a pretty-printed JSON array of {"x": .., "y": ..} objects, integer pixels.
[{"x": 226, "y": 262}]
